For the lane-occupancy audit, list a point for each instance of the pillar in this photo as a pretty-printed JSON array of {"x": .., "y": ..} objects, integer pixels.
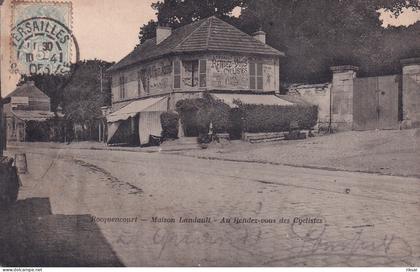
[
  {"x": 342, "y": 96},
  {"x": 410, "y": 93}
]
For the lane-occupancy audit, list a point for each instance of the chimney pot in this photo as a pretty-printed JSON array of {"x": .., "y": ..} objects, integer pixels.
[{"x": 260, "y": 36}]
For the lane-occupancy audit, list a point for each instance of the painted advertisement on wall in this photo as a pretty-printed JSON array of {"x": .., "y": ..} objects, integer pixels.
[
  {"x": 159, "y": 75},
  {"x": 228, "y": 72}
]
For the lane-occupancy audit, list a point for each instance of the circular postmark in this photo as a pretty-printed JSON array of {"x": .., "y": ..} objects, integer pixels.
[
  {"x": 308, "y": 227},
  {"x": 41, "y": 45}
]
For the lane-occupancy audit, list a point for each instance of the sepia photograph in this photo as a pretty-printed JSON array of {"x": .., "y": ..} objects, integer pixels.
[{"x": 210, "y": 133}]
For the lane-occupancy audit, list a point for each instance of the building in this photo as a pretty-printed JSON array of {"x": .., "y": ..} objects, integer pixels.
[
  {"x": 28, "y": 108},
  {"x": 207, "y": 56}
]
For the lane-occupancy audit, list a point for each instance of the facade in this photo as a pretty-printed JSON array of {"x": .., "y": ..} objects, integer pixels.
[
  {"x": 28, "y": 104},
  {"x": 206, "y": 56}
]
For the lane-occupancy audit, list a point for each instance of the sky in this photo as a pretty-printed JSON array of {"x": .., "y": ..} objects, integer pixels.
[{"x": 108, "y": 29}]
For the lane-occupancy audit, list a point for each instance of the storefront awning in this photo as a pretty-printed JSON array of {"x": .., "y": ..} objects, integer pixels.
[
  {"x": 143, "y": 105},
  {"x": 253, "y": 99}
]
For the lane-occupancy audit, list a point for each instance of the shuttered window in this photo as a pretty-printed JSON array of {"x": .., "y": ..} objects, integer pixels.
[
  {"x": 259, "y": 76},
  {"x": 255, "y": 76},
  {"x": 202, "y": 76},
  {"x": 177, "y": 74},
  {"x": 139, "y": 83},
  {"x": 122, "y": 87},
  {"x": 252, "y": 74}
]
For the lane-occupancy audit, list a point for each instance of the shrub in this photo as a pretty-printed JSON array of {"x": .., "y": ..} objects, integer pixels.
[
  {"x": 273, "y": 118},
  {"x": 200, "y": 112},
  {"x": 169, "y": 121}
]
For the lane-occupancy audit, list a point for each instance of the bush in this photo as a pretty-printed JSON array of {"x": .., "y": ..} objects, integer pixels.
[
  {"x": 169, "y": 121},
  {"x": 9, "y": 182},
  {"x": 273, "y": 118},
  {"x": 200, "y": 112}
]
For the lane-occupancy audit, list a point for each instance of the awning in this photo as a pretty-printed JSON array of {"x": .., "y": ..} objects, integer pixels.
[
  {"x": 143, "y": 105},
  {"x": 255, "y": 99}
]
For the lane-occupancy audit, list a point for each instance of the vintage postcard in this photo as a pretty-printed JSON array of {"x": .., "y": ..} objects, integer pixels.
[{"x": 231, "y": 133}]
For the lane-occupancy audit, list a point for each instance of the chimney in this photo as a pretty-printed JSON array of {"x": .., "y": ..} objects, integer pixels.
[
  {"x": 259, "y": 35},
  {"x": 162, "y": 32}
]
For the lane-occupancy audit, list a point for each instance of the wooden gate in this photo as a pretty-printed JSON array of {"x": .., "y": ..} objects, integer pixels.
[{"x": 375, "y": 102}]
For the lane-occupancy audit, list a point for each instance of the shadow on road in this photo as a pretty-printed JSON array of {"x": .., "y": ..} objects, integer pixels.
[{"x": 30, "y": 235}]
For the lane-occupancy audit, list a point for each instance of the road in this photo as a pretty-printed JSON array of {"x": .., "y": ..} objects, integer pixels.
[{"x": 279, "y": 215}]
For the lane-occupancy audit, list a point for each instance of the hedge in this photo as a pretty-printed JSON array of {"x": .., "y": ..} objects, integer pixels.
[
  {"x": 200, "y": 112},
  {"x": 252, "y": 118},
  {"x": 169, "y": 121},
  {"x": 275, "y": 118}
]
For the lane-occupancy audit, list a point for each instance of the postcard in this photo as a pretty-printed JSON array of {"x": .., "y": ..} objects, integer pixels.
[{"x": 254, "y": 133}]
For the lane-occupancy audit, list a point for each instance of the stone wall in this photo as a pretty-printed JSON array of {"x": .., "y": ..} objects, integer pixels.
[
  {"x": 411, "y": 92},
  {"x": 316, "y": 94}
]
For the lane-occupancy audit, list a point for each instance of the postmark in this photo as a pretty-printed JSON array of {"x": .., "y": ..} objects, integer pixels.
[{"x": 41, "y": 37}]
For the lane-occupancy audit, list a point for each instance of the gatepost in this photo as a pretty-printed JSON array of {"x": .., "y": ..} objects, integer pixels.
[
  {"x": 341, "y": 97},
  {"x": 411, "y": 92}
]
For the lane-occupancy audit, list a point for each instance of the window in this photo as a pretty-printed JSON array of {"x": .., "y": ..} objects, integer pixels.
[
  {"x": 138, "y": 83},
  {"x": 122, "y": 87},
  {"x": 190, "y": 73},
  {"x": 177, "y": 74},
  {"x": 144, "y": 77},
  {"x": 202, "y": 76},
  {"x": 255, "y": 76}
]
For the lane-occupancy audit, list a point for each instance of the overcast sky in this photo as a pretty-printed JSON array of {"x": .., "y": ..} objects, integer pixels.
[{"x": 108, "y": 29}]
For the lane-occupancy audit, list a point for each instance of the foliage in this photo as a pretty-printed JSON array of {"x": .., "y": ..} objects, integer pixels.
[
  {"x": 177, "y": 13},
  {"x": 318, "y": 34},
  {"x": 204, "y": 111},
  {"x": 170, "y": 127},
  {"x": 314, "y": 34},
  {"x": 272, "y": 118}
]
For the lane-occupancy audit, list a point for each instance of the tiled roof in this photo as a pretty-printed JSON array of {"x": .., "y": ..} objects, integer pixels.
[
  {"x": 28, "y": 90},
  {"x": 210, "y": 34}
]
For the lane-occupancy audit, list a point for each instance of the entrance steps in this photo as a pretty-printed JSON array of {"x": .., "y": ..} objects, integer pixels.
[{"x": 183, "y": 143}]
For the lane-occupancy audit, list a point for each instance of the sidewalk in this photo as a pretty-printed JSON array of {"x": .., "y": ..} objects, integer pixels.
[
  {"x": 167, "y": 146},
  {"x": 392, "y": 152}
]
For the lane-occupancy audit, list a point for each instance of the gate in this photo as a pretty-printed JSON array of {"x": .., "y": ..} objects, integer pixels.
[{"x": 375, "y": 102}]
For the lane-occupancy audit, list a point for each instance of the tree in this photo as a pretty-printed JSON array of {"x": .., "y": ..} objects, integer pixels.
[
  {"x": 79, "y": 92},
  {"x": 176, "y": 13},
  {"x": 318, "y": 34},
  {"x": 314, "y": 34}
]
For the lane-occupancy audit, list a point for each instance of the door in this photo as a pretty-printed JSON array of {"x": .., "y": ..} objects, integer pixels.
[{"x": 375, "y": 103}]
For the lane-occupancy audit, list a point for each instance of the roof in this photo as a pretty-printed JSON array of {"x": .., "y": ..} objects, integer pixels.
[
  {"x": 252, "y": 99},
  {"x": 33, "y": 115},
  {"x": 210, "y": 34},
  {"x": 28, "y": 90},
  {"x": 132, "y": 109}
]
